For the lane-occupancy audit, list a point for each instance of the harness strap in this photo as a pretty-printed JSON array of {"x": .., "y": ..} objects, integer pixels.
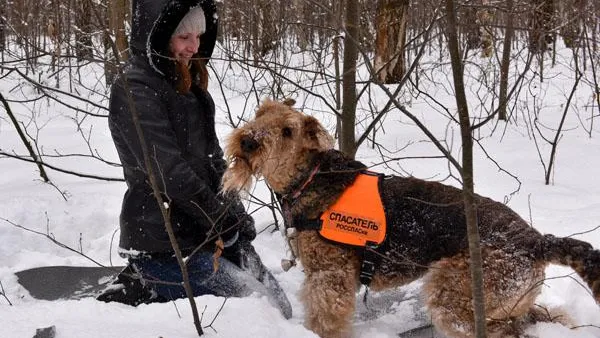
[
  {"x": 371, "y": 257},
  {"x": 302, "y": 223},
  {"x": 370, "y": 261},
  {"x": 294, "y": 194}
]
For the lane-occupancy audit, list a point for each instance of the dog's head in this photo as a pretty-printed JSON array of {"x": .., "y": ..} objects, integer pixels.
[{"x": 275, "y": 145}]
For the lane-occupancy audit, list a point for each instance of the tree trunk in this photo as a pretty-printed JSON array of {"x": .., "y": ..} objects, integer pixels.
[
  {"x": 255, "y": 33},
  {"x": 571, "y": 20},
  {"x": 337, "y": 22},
  {"x": 115, "y": 50},
  {"x": 485, "y": 17},
  {"x": 391, "y": 23},
  {"x": 54, "y": 30},
  {"x": 467, "y": 174},
  {"x": 505, "y": 63},
  {"x": 118, "y": 16},
  {"x": 347, "y": 142},
  {"x": 2, "y": 26},
  {"x": 540, "y": 25},
  {"x": 300, "y": 31},
  {"x": 268, "y": 27},
  {"x": 471, "y": 28},
  {"x": 338, "y": 84},
  {"x": 83, "y": 31}
]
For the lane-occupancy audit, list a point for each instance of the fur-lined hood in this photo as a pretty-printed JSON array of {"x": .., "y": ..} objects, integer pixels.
[{"x": 154, "y": 21}]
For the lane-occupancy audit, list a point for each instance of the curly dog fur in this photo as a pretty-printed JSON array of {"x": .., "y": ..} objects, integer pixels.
[{"x": 426, "y": 233}]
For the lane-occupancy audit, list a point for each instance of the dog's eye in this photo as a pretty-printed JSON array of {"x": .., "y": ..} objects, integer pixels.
[{"x": 286, "y": 132}]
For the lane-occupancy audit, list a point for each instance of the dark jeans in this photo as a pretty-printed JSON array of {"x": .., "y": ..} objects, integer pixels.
[{"x": 227, "y": 281}]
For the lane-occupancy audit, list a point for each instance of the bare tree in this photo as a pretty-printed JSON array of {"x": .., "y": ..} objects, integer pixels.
[
  {"x": 267, "y": 36},
  {"x": 55, "y": 28},
  {"x": 470, "y": 28},
  {"x": 116, "y": 49},
  {"x": 570, "y": 16},
  {"x": 2, "y": 27},
  {"x": 348, "y": 119},
  {"x": 505, "y": 61},
  {"x": 23, "y": 137},
  {"x": 467, "y": 174},
  {"x": 390, "y": 40},
  {"x": 165, "y": 211},
  {"x": 83, "y": 30},
  {"x": 485, "y": 17},
  {"x": 541, "y": 24},
  {"x": 557, "y": 131}
]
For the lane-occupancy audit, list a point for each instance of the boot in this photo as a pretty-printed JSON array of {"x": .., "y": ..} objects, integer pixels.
[{"x": 128, "y": 288}]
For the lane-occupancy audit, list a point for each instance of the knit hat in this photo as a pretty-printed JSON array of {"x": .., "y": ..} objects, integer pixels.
[{"x": 193, "y": 22}]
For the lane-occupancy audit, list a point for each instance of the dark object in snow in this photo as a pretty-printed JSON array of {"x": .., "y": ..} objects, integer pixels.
[
  {"x": 129, "y": 289},
  {"x": 426, "y": 331},
  {"x": 66, "y": 282},
  {"x": 47, "y": 332}
]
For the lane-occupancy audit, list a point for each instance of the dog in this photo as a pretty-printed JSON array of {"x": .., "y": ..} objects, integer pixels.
[{"x": 426, "y": 234}]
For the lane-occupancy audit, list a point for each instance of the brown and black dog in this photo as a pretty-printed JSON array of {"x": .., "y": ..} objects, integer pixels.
[{"x": 426, "y": 233}]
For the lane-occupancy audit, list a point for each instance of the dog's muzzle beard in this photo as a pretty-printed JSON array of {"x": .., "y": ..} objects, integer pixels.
[
  {"x": 252, "y": 157},
  {"x": 239, "y": 174}
]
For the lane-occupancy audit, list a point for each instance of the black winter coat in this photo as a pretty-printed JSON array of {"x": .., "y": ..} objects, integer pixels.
[{"x": 178, "y": 130}]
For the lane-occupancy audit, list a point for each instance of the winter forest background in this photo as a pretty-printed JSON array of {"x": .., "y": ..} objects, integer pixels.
[{"x": 396, "y": 81}]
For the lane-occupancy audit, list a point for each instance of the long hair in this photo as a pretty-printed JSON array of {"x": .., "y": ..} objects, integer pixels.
[{"x": 194, "y": 73}]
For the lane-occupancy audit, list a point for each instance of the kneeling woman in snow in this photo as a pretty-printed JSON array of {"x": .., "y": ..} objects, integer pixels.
[{"x": 164, "y": 87}]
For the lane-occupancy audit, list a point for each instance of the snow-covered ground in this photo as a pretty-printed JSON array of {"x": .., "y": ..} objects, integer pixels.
[{"x": 83, "y": 214}]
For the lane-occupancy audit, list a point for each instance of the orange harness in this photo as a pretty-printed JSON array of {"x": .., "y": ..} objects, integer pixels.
[{"x": 357, "y": 217}]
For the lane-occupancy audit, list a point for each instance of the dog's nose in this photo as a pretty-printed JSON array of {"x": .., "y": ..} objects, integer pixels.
[{"x": 248, "y": 144}]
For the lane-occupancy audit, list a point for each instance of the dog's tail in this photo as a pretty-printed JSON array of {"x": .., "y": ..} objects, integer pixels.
[{"x": 578, "y": 255}]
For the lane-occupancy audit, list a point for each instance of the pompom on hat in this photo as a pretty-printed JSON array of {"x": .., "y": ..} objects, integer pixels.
[{"x": 193, "y": 22}]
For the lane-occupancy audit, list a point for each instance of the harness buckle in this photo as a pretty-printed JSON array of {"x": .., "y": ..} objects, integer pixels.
[{"x": 369, "y": 263}]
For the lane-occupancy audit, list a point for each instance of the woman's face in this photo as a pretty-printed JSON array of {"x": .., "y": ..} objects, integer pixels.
[{"x": 183, "y": 46}]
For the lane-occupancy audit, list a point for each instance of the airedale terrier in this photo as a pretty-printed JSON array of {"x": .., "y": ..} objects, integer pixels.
[{"x": 426, "y": 233}]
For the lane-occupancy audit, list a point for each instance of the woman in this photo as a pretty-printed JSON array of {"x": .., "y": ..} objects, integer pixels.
[{"x": 164, "y": 88}]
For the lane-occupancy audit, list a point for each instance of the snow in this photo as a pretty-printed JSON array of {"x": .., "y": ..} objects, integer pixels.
[{"x": 83, "y": 214}]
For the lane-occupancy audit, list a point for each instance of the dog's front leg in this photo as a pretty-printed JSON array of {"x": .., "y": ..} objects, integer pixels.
[{"x": 329, "y": 300}]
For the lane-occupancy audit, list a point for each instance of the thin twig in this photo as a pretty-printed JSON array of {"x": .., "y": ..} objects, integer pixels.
[
  {"x": 64, "y": 171},
  {"x": 49, "y": 236},
  {"x": 33, "y": 155},
  {"x": 584, "y": 232},
  {"x": 216, "y": 315},
  {"x": 3, "y": 293}
]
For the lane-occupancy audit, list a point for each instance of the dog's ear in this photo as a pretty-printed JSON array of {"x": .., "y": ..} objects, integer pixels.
[
  {"x": 270, "y": 106},
  {"x": 289, "y": 102},
  {"x": 315, "y": 136}
]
